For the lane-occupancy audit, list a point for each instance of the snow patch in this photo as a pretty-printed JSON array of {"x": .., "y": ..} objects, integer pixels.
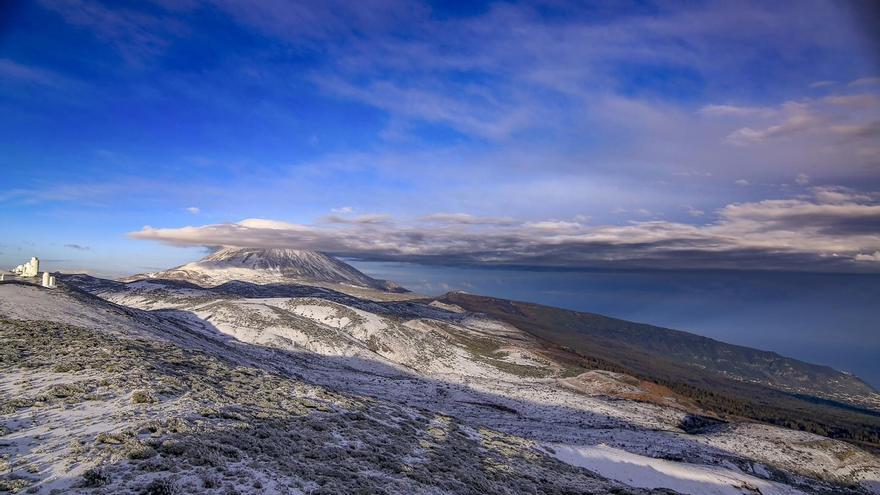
[{"x": 647, "y": 472}]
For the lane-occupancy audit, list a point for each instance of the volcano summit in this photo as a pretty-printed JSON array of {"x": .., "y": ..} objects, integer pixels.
[{"x": 264, "y": 266}]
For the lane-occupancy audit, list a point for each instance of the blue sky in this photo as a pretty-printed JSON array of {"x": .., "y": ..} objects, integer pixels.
[
  {"x": 569, "y": 134},
  {"x": 727, "y": 144}
]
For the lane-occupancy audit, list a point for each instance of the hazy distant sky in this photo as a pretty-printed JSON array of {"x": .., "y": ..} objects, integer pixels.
[{"x": 639, "y": 135}]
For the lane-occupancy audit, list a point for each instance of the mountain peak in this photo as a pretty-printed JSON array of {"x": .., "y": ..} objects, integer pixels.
[
  {"x": 270, "y": 265},
  {"x": 269, "y": 258}
]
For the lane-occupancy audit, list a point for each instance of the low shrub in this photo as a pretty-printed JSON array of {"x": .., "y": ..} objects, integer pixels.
[{"x": 96, "y": 477}]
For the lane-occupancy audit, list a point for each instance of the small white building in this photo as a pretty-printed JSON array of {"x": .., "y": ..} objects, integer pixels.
[{"x": 29, "y": 269}]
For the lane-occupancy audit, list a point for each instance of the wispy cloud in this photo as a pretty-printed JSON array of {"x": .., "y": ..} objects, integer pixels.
[
  {"x": 371, "y": 219},
  {"x": 861, "y": 130},
  {"x": 838, "y": 130},
  {"x": 865, "y": 81},
  {"x": 737, "y": 111},
  {"x": 466, "y": 219},
  {"x": 794, "y": 124},
  {"x": 508, "y": 75},
  {"x": 472, "y": 111},
  {"x": 78, "y": 247},
  {"x": 11, "y": 70},
  {"x": 137, "y": 35}
]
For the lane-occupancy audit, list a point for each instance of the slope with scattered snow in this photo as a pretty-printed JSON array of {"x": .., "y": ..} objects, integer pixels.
[{"x": 459, "y": 365}]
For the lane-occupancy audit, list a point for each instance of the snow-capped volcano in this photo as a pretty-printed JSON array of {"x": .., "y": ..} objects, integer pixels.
[{"x": 279, "y": 265}]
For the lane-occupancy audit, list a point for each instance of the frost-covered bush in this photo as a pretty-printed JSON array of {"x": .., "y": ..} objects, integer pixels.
[
  {"x": 13, "y": 484},
  {"x": 210, "y": 481},
  {"x": 65, "y": 367},
  {"x": 110, "y": 438},
  {"x": 162, "y": 486},
  {"x": 95, "y": 477},
  {"x": 138, "y": 450},
  {"x": 172, "y": 447},
  {"x": 141, "y": 397}
]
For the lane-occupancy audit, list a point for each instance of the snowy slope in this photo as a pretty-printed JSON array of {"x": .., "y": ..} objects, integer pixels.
[
  {"x": 487, "y": 374},
  {"x": 90, "y": 408},
  {"x": 265, "y": 266}
]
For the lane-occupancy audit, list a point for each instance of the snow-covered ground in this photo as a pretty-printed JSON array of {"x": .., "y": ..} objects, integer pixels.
[{"x": 484, "y": 374}]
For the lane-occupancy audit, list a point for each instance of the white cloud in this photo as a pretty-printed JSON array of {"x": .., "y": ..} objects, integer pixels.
[
  {"x": 195, "y": 210},
  {"x": 842, "y": 195},
  {"x": 869, "y": 257},
  {"x": 261, "y": 223},
  {"x": 828, "y": 230},
  {"x": 554, "y": 226},
  {"x": 342, "y": 210},
  {"x": 802, "y": 179},
  {"x": 741, "y": 182}
]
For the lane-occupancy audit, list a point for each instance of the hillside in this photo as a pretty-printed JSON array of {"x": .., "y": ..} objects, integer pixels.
[
  {"x": 643, "y": 347},
  {"x": 724, "y": 378},
  {"x": 209, "y": 389}
]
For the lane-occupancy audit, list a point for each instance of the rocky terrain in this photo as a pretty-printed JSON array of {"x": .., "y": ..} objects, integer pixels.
[{"x": 167, "y": 386}]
